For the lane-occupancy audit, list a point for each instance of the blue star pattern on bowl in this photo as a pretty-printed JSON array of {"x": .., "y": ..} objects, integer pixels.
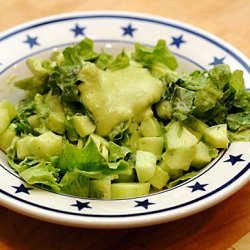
[
  {"x": 145, "y": 203},
  {"x": 197, "y": 186},
  {"x": 81, "y": 205},
  {"x": 22, "y": 189},
  {"x": 234, "y": 159},
  {"x": 177, "y": 41},
  {"x": 78, "y": 30},
  {"x": 217, "y": 61},
  {"x": 128, "y": 30},
  {"x": 31, "y": 41}
]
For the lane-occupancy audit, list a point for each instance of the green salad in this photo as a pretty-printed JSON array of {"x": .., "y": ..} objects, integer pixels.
[{"x": 103, "y": 126}]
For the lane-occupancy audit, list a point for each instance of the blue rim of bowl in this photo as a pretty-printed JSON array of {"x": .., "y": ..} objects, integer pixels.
[{"x": 145, "y": 19}]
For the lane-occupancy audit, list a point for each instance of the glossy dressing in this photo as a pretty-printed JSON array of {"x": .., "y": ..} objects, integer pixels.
[{"x": 116, "y": 96}]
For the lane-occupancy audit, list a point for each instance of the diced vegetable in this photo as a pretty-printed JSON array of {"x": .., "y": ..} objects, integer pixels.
[
  {"x": 10, "y": 107},
  {"x": 145, "y": 164},
  {"x": 4, "y": 119},
  {"x": 160, "y": 178},
  {"x": 217, "y": 136},
  {"x": 129, "y": 190},
  {"x": 179, "y": 158},
  {"x": 178, "y": 136},
  {"x": 46, "y": 145},
  {"x": 151, "y": 144},
  {"x": 150, "y": 128},
  {"x": 83, "y": 125}
]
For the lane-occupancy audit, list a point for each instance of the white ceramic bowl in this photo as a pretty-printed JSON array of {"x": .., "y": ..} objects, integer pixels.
[{"x": 193, "y": 48}]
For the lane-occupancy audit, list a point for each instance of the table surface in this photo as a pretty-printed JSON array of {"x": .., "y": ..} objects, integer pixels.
[{"x": 216, "y": 228}]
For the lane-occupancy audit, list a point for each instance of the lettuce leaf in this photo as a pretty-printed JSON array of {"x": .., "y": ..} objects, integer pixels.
[
  {"x": 159, "y": 53},
  {"x": 90, "y": 160},
  {"x": 117, "y": 152},
  {"x": 75, "y": 183},
  {"x": 42, "y": 173}
]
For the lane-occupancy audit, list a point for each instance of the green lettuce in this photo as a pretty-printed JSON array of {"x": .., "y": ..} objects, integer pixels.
[
  {"x": 90, "y": 161},
  {"x": 75, "y": 183},
  {"x": 42, "y": 173},
  {"x": 150, "y": 56},
  {"x": 117, "y": 152}
]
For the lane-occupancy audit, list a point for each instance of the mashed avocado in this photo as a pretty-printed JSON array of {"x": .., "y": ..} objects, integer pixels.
[{"x": 116, "y": 96}]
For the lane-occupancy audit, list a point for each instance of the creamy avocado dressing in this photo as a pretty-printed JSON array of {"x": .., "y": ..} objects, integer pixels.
[{"x": 116, "y": 96}]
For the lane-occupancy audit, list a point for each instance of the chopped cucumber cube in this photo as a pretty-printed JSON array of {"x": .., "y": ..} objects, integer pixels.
[
  {"x": 151, "y": 144},
  {"x": 83, "y": 125},
  {"x": 173, "y": 173},
  {"x": 24, "y": 146},
  {"x": 179, "y": 158},
  {"x": 145, "y": 164},
  {"x": 54, "y": 103},
  {"x": 129, "y": 190},
  {"x": 10, "y": 107},
  {"x": 4, "y": 119},
  {"x": 178, "y": 136},
  {"x": 150, "y": 127},
  {"x": 100, "y": 189},
  {"x": 7, "y": 137},
  {"x": 56, "y": 122},
  {"x": 217, "y": 136},
  {"x": 202, "y": 155},
  {"x": 46, "y": 145},
  {"x": 160, "y": 178},
  {"x": 195, "y": 126},
  {"x": 164, "y": 109},
  {"x": 34, "y": 121},
  {"x": 133, "y": 140}
]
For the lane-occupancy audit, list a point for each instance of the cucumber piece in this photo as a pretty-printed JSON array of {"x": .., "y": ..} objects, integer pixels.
[
  {"x": 54, "y": 103},
  {"x": 164, "y": 109},
  {"x": 150, "y": 128},
  {"x": 129, "y": 190},
  {"x": 132, "y": 141},
  {"x": 178, "y": 136},
  {"x": 100, "y": 189},
  {"x": 126, "y": 178},
  {"x": 34, "y": 121},
  {"x": 24, "y": 147},
  {"x": 145, "y": 164},
  {"x": 46, "y": 145},
  {"x": 173, "y": 173},
  {"x": 4, "y": 119},
  {"x": 10, "y": 107},
  {"x": 179, "y": 158},
  {"x": 202, "y": 156},
  {"x": 160, "y": 178},
  {"x": 7, "y": 137},
  {"x": 56, "y": 122},
  {"x": 195, "y": 126},
  {"x": 151, "y": 144},
  {"x": 217, "y": 136},
  {"x": 83, "y": 125}
]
